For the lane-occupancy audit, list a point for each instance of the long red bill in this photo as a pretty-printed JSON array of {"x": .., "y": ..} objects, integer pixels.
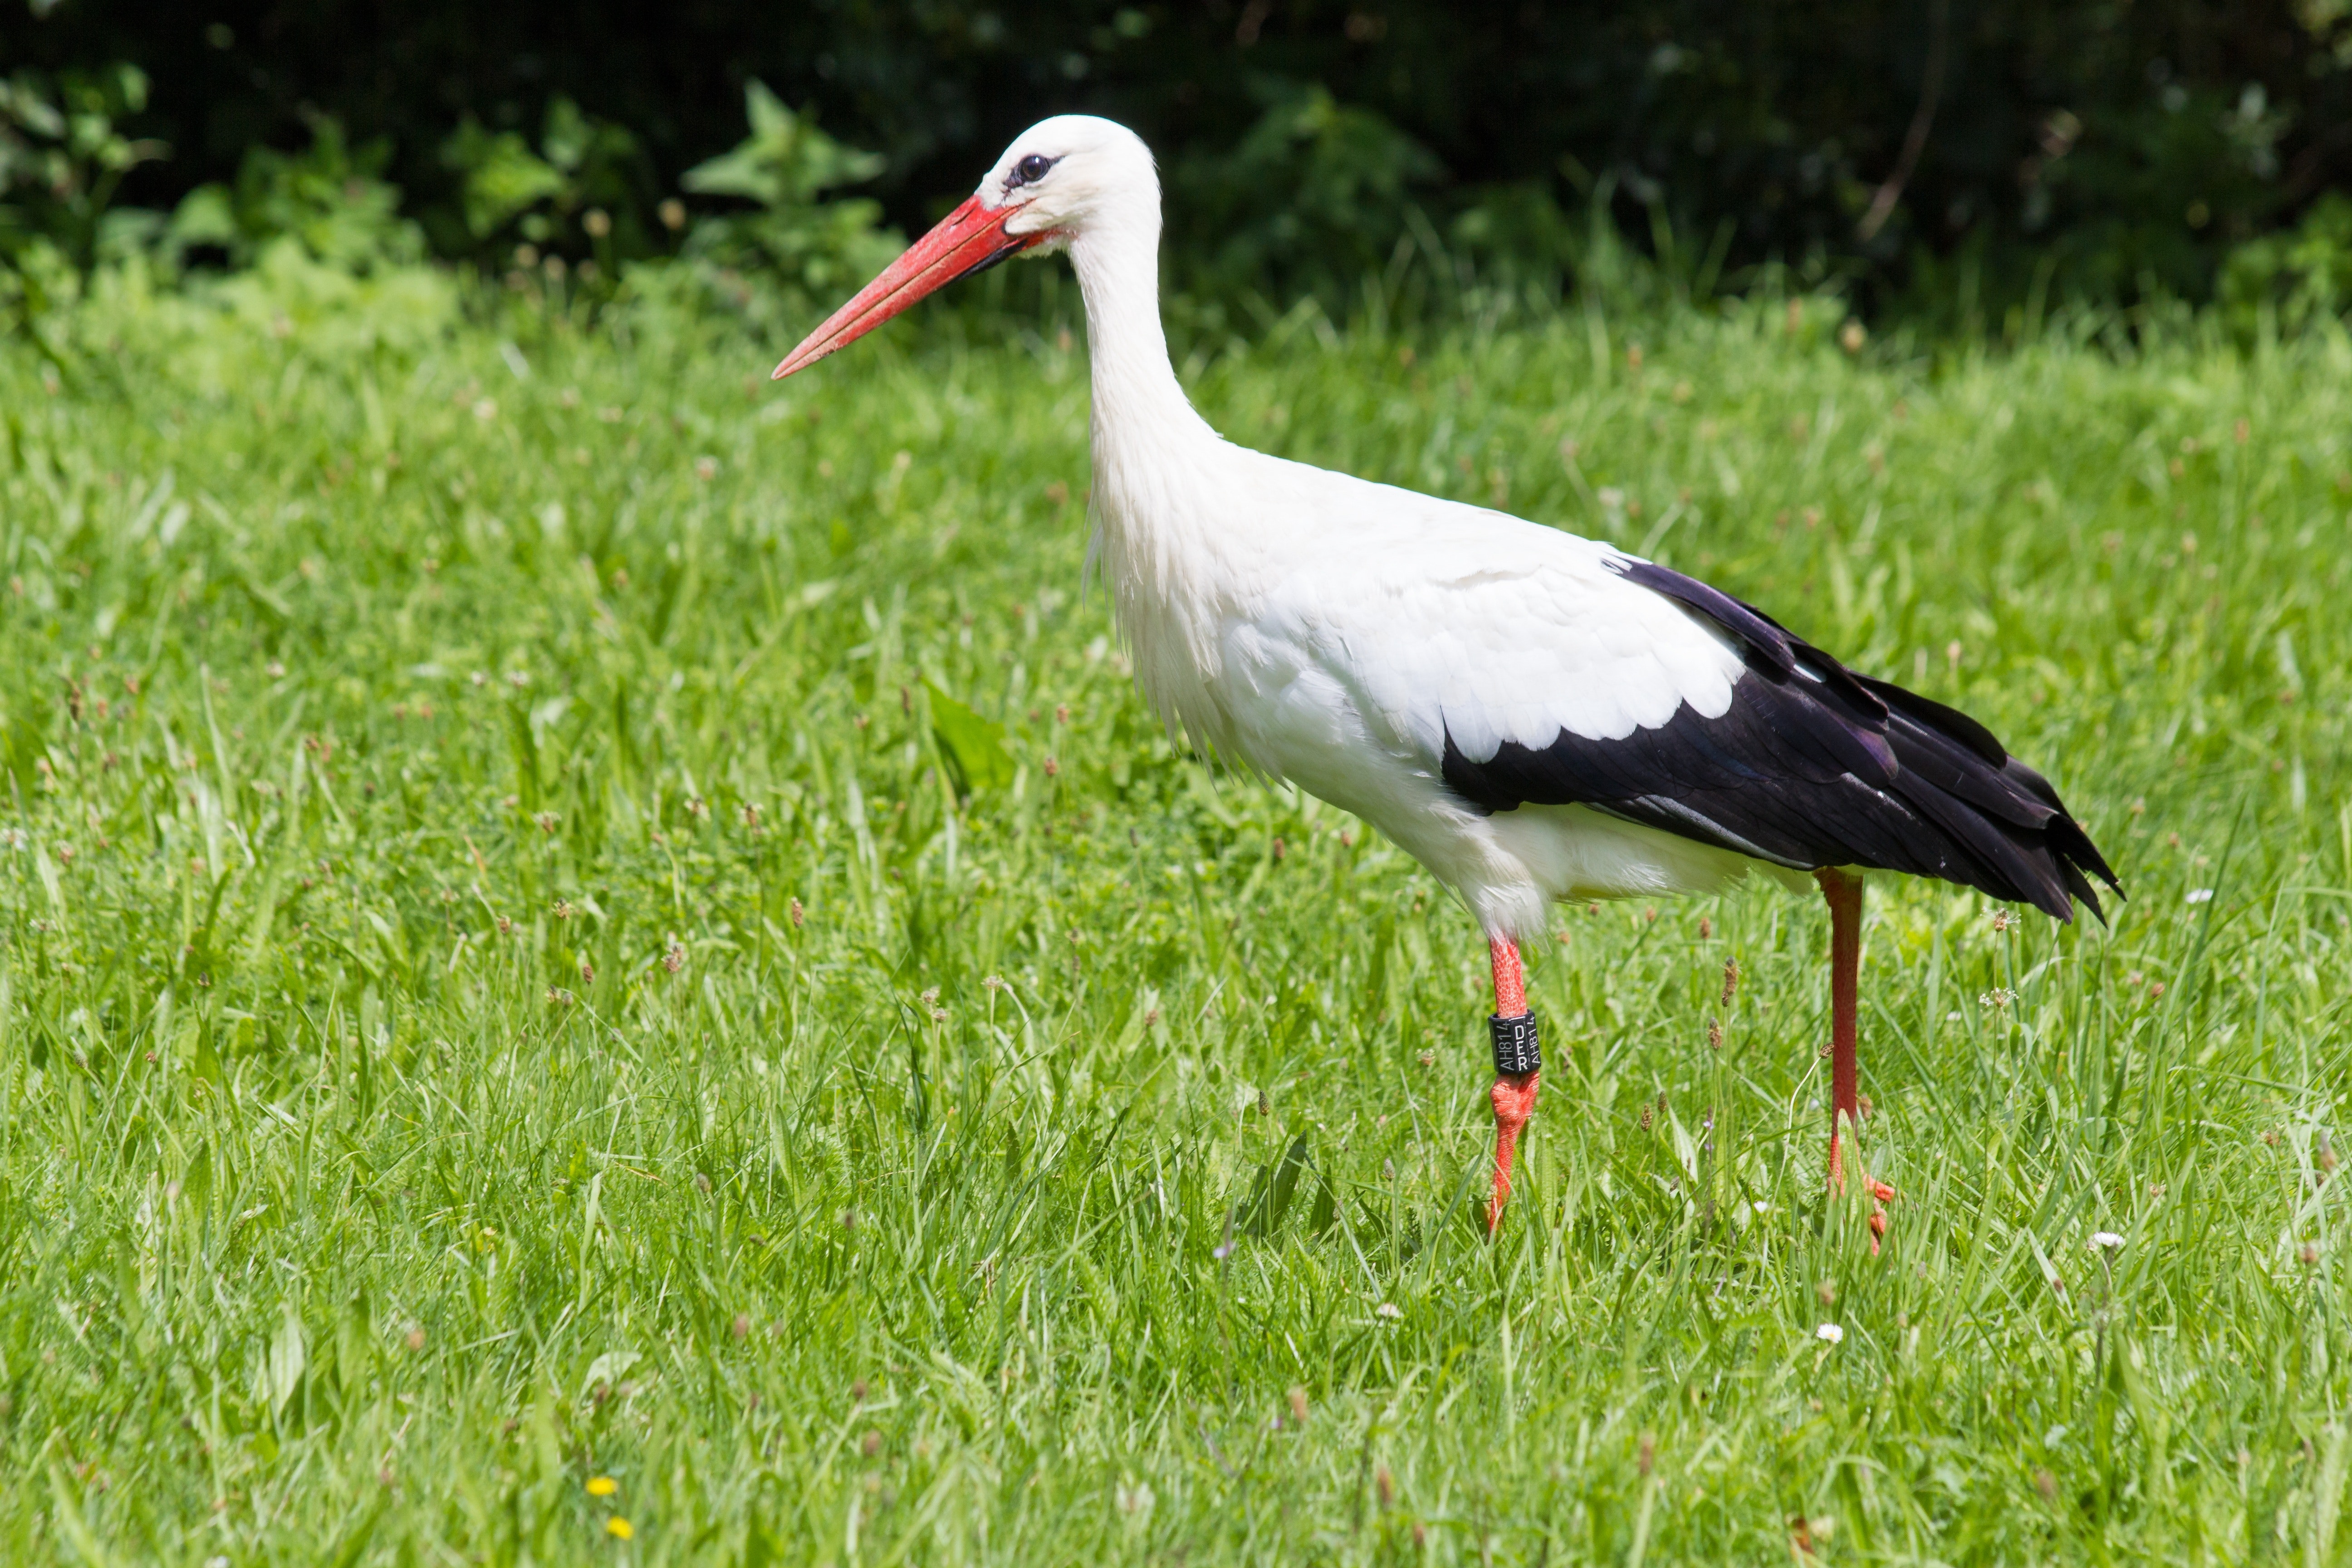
[{"x": 964, "y": 241}]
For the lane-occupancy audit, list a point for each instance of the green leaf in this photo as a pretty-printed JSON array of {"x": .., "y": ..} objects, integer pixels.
[
  {"x": 568, "y": 135},
  {"x": 974, "y": 746},
  {"x": 1286, "y": 1179},
  {"x": 288, "y": 1355},
  {"x": 196, "y": 1179},
  {"x": 205, "y": 217},
  {"x": 1327, "y": 1206},
  {"x": 1277, "y": 1185},
  {"x": 503, "y": 176},
  {"x": 785, "y": 161}
]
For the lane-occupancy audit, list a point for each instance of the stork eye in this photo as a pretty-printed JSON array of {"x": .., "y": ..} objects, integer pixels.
[{"x": 1032, "y": 169}]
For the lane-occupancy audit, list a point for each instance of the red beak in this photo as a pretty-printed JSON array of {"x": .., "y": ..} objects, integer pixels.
[{"x": 967, "y": 239}]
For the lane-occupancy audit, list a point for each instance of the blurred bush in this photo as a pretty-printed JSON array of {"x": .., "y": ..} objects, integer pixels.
[
  {"x": 1313, "y": 198},
  {"x": 1950, "y": 162},
  {"x": 791, "y": 241},
  {"x": 63, "y": 153},
  {"x": 329, "y": 199},
  {"x": 763, "y": 247},
  {"x": 2291, "y": 280},
  {"x": 582, "y": 192}
]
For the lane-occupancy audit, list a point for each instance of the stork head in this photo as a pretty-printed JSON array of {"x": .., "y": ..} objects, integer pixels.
[{"x": 1061, "y": 180}]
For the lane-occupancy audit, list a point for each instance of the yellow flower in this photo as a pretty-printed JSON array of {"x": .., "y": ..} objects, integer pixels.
[
  {"x": 619, "y": 1529},
  {"x": 603, "y": 1485}
]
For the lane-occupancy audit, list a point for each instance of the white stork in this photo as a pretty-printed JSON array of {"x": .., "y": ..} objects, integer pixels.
[{"x": 1531, "y": 715}]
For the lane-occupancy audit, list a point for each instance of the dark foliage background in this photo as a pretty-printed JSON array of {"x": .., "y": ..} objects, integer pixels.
[{"x": 2110, "y": 149}]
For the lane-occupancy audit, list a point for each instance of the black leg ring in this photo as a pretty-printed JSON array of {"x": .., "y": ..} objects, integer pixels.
[{"x": 1516, "y": 1049}]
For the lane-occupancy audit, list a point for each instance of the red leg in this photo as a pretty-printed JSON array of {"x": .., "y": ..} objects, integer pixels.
[
  {"x": 1514, "y": 1094},
  {"x": 1843, "y": 892}
]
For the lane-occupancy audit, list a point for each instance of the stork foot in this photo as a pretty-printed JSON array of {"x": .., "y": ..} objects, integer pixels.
[
  {"x": 1880, "y": 1195},
  {"x": 1514, "y": 1099}
]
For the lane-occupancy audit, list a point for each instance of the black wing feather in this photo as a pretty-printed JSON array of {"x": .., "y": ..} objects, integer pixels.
[{"x": 1812, "y": 765}]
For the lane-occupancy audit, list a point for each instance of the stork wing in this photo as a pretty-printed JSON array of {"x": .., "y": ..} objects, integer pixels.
[{"x": 1525, "y": 666}]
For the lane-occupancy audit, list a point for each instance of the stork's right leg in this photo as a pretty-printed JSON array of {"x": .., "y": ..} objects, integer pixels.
[
  {"x": 1518, "y": 1068},
  {"x": 1843, "y": 892}
]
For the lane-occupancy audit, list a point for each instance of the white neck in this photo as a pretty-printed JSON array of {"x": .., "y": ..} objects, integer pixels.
[
  {"x": 1140, "y": 412},
  {"x": 1161, "y": 540}
]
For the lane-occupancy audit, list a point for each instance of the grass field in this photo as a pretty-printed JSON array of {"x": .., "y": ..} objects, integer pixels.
[{"x": 541, "y": 1022}]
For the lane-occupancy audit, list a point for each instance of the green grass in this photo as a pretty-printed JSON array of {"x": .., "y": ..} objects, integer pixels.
[{"x": 484, "y": 832}]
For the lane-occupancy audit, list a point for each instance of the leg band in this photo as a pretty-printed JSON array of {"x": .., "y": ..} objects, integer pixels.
[{"x": 1516, "y": 1047}]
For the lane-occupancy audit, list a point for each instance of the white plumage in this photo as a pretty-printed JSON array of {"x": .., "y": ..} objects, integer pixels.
[
  {"x": 1354, "y": 626},
  {"x": 1533, "y": 716},
  {"x": 1325, "y": 630}
]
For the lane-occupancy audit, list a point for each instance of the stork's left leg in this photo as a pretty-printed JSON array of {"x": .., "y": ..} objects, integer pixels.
[
  {"x": 1843, "y": 892},
  {"x": 1518, "y": 1068}
]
